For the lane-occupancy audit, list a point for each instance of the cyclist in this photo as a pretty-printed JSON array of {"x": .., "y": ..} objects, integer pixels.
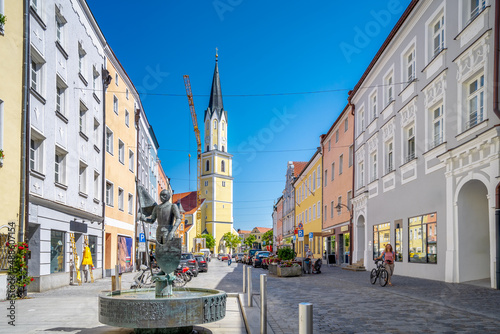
[{"x": 389, "y": 257}]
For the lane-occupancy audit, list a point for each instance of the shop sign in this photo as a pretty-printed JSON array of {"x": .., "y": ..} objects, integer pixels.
[{"x": 344, "y": 228}]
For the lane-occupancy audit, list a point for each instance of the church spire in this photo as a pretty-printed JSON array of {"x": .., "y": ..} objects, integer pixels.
[{"x": 215, "y": 104}]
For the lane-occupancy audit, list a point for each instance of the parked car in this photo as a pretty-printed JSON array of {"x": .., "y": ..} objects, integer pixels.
[
  {"x": 189, "y": 260},
  {"x": 257, "y": 259},
  {"x": 202, "y": 263},
  {"x": 239, "y": 257},
  {"x": 219, "y": 256},
  {"x": 207, "y": 253},
  {"x": 250, "y": 255},
  {"x": 224, "y": 257}
]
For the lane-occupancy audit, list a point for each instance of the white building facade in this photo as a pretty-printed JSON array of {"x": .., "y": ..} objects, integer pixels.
[
  {"x": 427, "y": 144},
  {"x": 65, "y": 140}
]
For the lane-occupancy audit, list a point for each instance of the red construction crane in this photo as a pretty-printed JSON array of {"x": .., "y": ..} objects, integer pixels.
[{"x": 189, "y": 94}]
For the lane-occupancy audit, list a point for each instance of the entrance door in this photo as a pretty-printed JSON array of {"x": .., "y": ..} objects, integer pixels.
[{"x": 341, "y": 248}]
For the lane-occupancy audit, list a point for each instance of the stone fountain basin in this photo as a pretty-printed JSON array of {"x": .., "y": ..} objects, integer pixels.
[{"x": 138, "y": 308}]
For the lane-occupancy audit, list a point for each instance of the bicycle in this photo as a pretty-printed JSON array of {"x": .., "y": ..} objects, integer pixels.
[
  {"x": 379, "y": 273},
  {"x": 142, "y": 279}
]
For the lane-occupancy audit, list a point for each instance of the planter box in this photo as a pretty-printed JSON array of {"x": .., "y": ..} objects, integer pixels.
[
  {"x": 289, "y": 271},
  {"x": 273, "y": 269}
]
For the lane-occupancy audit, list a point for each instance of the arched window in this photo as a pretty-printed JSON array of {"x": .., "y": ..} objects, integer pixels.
[
  {"x": 215, "y": 124},
  {"x": 223, "y": 166},
  {"x": 207, "y": 166},
  {"x": 208, "y": 148},
  {"x": 223, "y": 150},
  {"x": 223, "y": 126}
]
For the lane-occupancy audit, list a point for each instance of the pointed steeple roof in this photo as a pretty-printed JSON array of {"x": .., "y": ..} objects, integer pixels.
[{"x": 215, "y": 104}]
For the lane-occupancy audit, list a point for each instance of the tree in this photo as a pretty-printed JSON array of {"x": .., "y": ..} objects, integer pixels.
[
  {"x": 209, "y": 240},
  {"x": 268, "y": 237},
  {"x": 232, "y": 240},
  {"x": 250, "y": 240}
]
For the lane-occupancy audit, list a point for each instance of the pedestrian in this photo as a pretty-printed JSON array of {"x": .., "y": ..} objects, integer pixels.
[
  {"x": 229, "y": 259},
  {"x": 389, "y": 256},
  {"x": 309, "y": 254},
  {"x": 308, "y": 262}
]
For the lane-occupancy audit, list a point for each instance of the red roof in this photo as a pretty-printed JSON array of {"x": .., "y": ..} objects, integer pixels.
[
  {"x": 188, "y": 201},
  {"x": 244, "y": 232},
  {"x": 298, "y": 167},
  {"x": 263, "y": 229}
]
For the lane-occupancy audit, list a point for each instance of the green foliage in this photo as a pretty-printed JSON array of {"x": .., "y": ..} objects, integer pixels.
[
  {"x": 3, "y": 19},
  {"x": 209, "y": 240},
  {"x": 250, "y": 240},
  {"x": 286, "y": 254},
  {"x": 232, "y": 240},
  {"x": 18, "y": 269},
  {"x": 268, "y": 237}
]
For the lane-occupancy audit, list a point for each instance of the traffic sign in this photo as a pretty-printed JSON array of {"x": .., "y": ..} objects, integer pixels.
[
  {"x": 142, "y": 237},
  {"x": 294, "y": 238},
  {"x": 301, "y": 226},
  {"x": 142, "y": 247},
  {"x": 311, "y": 236},
  {"x": 301, "y": 233}
]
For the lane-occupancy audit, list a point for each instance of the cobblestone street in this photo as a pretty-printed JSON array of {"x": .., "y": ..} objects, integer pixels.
[{"x": 346, "y": 302}]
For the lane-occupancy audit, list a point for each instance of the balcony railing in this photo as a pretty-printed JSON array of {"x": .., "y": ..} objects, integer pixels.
[
  {"x": 438, "y": 140},
  {"x": 390, "y": 167},
  {"x": 410, "y": 157},
  {"x": 474, "y": 119}
]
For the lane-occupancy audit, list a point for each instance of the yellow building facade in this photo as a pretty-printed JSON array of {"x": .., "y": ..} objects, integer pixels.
[
  {"x": 216, "y": 169},
  {"x": 120, "y": 172},
  {"x": 11, "y": 111},
  {"x": 308, "y": 196}
]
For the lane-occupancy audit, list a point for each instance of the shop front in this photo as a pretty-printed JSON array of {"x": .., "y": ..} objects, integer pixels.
[{"x": 337, "y": 244}]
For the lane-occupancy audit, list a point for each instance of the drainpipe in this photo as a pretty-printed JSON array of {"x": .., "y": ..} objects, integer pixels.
[
  {"x": 106, "y": 80},
  {"x": 496, "y": 109},
  {"x": 23, "y": 205},
  {"x": 349, "y": 99}
]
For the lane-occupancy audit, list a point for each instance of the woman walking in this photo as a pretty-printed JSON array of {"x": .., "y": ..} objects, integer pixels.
[{"x": 389, "y": 257}]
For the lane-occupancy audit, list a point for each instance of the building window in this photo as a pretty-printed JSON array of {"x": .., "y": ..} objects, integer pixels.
[
  {"x": 329, "y": 145},
  {"x": 126, "y": 93},
  {"x": 82, "y": 180},
  {"x": 313, "y": 211},
  {"x": 361, "y": 121},
  {"x": 127, "y": 118},
  {"x": 319, "y": 209},
  {"x": 389, "y": 89},
  {"x": 332, "y": 209},
  {"x": 318, "y": 175},
  {"x": 437, "y": 126},
  {"x": 109, "y": 194},
  {"x": 361, "y": 174},
  {"x": 36, "y": 5},
  {"x": 326, "y": 177},
  {"x": 215, "y": 125},
  {"x": 57, "y": 251},
  {"x": 95, "y": 79},
  {"x": 349, "y": 198},
  {"x": 222, "y": 166},
  {"x": 337, "y": 136},
  {"x": 307, "y": 216},
  {"x": 422, "y": 244},
  {"x": 96, "y": 132},
  {"x": 389, "y": 157},
  {"x": 130, "y": 204},
  {"x": 373, "y": 105},
  {"x": 206, "y": 183},
  {"x": 223, "y": 183},
  {"x": 120, "y": 199},
  {"x": 121, "y": 152},
  {"x": 381, "y": 237},
  {"x": 93, "y": 249},
  {"x": 346, "y": 125},
  {"x": 373, "y": 163},
  {"x": 115, "y": 104},
  {"x": 59, "y": 31},
  {"x": 398, "y": 249},
  {"x": 96, "y": 186},
  {"x": 60, "y": 167},
  {"x": 410, "y": 143},
  {"x": 476, "y": 7},
  {"x": 109, "y": 141},
  {"x": 339, "y": 204},
  {"x": 207, "y": 166},
  {"x": 326, "y": 211},
  {"x": 60, "y": 98},
  {"x": 341, "y": 164},
  {"x": 81, "y": 60},
  {"x": 131, "y": 160},
  {"x": 36, "y": 153},
  {"x": 116, "y": 79},
  {"x": 410, "y": 66},
  {"x": 36, "y": 76},
  {"x": 475, "y": 101},
  {"x": 438, "y": 36},
  {"x": 83, "y": 118}
]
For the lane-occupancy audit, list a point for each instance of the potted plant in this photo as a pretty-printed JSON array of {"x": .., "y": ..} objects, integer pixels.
[
  {"x": 3, "y": 19},
  {"x": 18, "y": 279},
  {"x": 289, "y": 269},
  {"x": 1, "y": 157}
]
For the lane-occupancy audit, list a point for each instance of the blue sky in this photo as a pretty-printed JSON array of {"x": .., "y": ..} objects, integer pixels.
[{"x": 265, "y": 47}]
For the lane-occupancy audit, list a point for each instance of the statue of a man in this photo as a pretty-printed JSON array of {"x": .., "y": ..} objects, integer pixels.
[{"x": 168, "y": 216}]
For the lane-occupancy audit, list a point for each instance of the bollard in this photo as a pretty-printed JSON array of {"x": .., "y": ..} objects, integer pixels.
[
  {"x": 305, "y": 318},
  {"x": 249, "y": 286},
  {"x": 263, "y": 304},
  {"x": 117, "y": 278},
  {"x": 244, "y": 279}
]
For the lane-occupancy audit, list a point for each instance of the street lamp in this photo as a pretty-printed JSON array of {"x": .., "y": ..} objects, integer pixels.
[{"x": 339, "y": 208}]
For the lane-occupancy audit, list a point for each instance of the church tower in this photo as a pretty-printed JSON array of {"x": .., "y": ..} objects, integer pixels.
[{"x": 216, "y": 168}]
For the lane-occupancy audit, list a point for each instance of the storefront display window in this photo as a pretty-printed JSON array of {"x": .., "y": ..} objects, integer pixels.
[
  {"x": 93, "y": 249},
  {"x": 381, "y": 237},
  {"x": 398, "y": 247},
  {"x": 423, "y": 239},
  {"x": 56, "y": 252}
]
